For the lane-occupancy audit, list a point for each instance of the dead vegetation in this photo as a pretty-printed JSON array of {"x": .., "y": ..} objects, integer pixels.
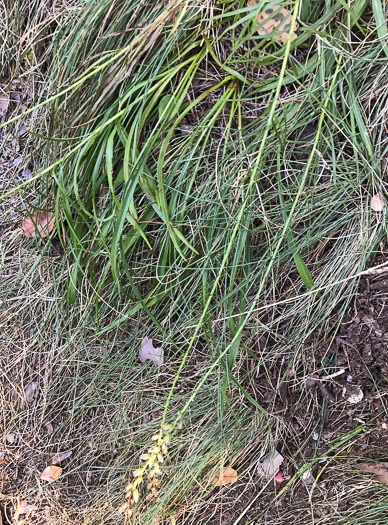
[{"x": 256, "y": 201}]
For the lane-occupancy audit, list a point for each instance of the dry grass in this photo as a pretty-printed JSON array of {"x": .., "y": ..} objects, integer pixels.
[{"x": 92, "y": 395}]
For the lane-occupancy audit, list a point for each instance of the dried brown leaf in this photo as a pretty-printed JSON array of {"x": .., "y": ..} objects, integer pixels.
[
  {"x": 147, "y": 351},
  {"x": 60, "y": 456},
  {"x": 380, "y": 470},
  {"x": 51, "y": 473},
  {"x": 275, "y": 22},
  {"x": 41, "y": 223},
  {"x": 225, "y": 477}
]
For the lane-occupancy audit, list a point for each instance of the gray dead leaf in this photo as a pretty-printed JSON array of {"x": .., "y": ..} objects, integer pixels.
[
  {"x": 25, "y": 508},
  {"x": 29, "y": 392},
  {"x": 380, "y": 470},
  {"x": 15, "y": 97},
  {"x": 372, "y": 324},
  {"x": 270, "y": 465},
  {"x": 26, "y": 174},
  {"x": 22, "y": 129},
  {"x": 4, "y": 102},
  {"x": 49, "y": 428},
  {"x": 60, "y": 456},
  {"x": 312, "y": 381},
  {"x": 10, "y": 438},
  {"x": 147, "y": 351},
  {"x": 308, "y": 477},
  {"x": 352, "y": 394}
]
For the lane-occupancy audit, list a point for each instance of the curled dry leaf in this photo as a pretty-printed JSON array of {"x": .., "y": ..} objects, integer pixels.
[
  {"x": 378, "y": 203},
  {"x": 380, "y": 470},
  {"x": 147, "y": 351},
  {"x": 224, "y": 477},
  {"x": 25, "y": 508},
  {"x": 40, "y": 223},
  {"x": 275, "y": 22},
  {"x": 60, "y": 456},
  {"x": 51, "y": 473}
]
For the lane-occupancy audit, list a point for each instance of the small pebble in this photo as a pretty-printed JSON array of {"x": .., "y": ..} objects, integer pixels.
[{"x": 15, "y": 97}]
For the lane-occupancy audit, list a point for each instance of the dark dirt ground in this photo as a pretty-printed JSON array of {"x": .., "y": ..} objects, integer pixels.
[{"x": 317, "y": 418}]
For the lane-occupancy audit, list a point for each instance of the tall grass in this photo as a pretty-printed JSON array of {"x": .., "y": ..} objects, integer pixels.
[{"x": 211, "y": 190}]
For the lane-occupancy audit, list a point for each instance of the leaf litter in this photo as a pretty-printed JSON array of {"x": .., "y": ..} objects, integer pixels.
[
  {"x": 29, "y": 392},
  {"x": 51, "y": 473},
  {"x": 25, "y": 508},
  {"x": 269, "y": 466},
  {"x": 4, "y": 103},
  {"x": 148, "y": 351},
  {"x": 40, "y": 223},
  {"x": 380, "y": 470},
  {"x": 274, "y": 22},
  {"x": 59, "y": 457},
  {"x": 280, "y": 478},
  {"x": 225, "y": 476}
]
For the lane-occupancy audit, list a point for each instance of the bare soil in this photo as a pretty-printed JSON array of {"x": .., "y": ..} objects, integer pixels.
[{"x": 318, "y": 417}]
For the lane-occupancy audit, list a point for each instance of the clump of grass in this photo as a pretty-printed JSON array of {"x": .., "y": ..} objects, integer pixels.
[{"x": 210, "y": 217}]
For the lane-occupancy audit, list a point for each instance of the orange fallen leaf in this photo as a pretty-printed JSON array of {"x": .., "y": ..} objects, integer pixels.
[
  {"x": 51, "y": 473},
  {"x": 225, "y": 477},
  {"x": 275, "y": 22},
  {"x": 40, "y": 223},
  {"x": 380, "y": 470}
]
